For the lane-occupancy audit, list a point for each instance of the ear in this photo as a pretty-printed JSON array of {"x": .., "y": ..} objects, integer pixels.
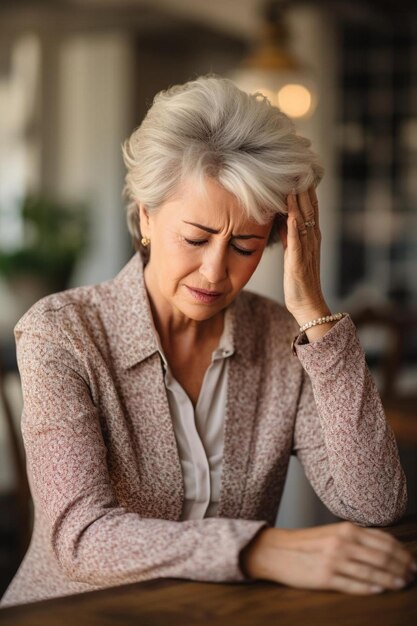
[{"x": 144, "y": 220}]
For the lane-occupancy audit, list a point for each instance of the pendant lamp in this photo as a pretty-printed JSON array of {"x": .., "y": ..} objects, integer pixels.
[{"x": 273, "y": 70}]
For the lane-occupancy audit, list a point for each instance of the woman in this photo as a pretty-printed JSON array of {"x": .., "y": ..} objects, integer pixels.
[{"x": 161, "y": 407}]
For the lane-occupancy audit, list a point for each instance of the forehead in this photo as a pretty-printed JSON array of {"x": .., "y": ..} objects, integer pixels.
[{"x": 211, "y": 205}]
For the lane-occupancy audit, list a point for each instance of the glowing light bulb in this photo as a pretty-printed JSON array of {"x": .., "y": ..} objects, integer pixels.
[{"x": 294, "y": 100}]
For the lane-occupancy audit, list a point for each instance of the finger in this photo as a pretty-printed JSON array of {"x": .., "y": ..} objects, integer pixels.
[
  {"x": 373, "y": 575},
  {"x": 294, "y": 211},
  {"x": 380, "y": 540},
  {"x": 315, "y": 204},
  {"x": 378, "y": 548},
  {"x": 355, "y": 587},
  {"x": 306, "y": 208},
  {"x": 380, "y": 559},
  {"x": 295, "y": 248}
]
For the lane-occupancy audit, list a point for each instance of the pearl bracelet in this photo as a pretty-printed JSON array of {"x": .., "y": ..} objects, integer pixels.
[{"x": 322, "y": 320}]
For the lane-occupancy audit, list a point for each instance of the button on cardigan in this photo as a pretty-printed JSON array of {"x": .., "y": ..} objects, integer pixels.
[{"x": 102, "y": 457}]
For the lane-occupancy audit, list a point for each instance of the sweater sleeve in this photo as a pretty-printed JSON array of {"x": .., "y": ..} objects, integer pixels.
[
  {"x": 94, "y": 538},
  {"x": 342, "y": 437}
]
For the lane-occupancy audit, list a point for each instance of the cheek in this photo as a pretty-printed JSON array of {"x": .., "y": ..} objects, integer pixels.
[
  {"x": 180, "y": 260},
  {"x": 243, "y": 269}
]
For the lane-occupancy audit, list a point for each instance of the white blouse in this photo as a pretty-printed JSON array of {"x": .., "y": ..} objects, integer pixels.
[{"x": 200, "y": 432}]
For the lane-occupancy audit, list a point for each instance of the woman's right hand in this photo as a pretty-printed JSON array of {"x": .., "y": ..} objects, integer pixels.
[{"x": 341, "y": 557}]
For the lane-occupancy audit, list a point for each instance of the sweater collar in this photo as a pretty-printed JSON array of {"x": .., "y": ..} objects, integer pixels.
[{"x": 136, "y": 338}]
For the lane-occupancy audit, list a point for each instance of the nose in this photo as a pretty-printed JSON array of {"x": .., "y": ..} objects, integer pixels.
[{"x": 214, "y": 265}]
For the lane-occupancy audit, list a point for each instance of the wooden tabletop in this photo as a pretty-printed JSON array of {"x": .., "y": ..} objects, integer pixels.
[{"x": 177, "y": 602}]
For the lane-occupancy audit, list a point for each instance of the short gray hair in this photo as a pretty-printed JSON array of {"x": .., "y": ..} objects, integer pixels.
[{"x": 208, "y": 126}]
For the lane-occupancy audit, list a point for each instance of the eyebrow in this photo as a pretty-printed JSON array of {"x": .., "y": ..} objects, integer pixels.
[{"x": 215, "y": 232}]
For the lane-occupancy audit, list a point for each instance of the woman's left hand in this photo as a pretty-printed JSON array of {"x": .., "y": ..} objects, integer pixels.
[{"x": 301, "y": 242}]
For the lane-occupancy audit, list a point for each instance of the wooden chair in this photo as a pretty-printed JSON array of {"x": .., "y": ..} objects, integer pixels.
[
  {"x": 400, "y": 330},
  {"x": 21, "y": 496}
]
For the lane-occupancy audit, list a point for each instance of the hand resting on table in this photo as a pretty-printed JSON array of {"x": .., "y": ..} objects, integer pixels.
[{"x": 341, "y": 557}]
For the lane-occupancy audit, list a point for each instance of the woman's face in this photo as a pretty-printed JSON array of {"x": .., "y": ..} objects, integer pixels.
[{"x": 203, "y": 251}]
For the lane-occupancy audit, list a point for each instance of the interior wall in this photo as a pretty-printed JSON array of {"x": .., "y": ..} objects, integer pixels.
[{"x": 96, "y": 86}]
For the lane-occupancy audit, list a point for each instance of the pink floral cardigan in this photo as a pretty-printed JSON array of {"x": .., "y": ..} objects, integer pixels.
[{"x": 101, "y": 451}]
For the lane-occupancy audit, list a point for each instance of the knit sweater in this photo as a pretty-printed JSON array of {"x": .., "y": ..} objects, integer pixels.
[{"x": 102, "y": 459}]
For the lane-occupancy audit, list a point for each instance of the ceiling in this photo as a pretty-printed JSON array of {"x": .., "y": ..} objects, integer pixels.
[{"x": 236, "y": 18}]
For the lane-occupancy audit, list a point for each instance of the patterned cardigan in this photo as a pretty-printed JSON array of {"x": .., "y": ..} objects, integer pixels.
[{"x": 102, "y": 458}]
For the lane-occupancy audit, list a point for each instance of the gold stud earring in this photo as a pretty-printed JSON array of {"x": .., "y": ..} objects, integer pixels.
[{"x": 145, "y": 242}]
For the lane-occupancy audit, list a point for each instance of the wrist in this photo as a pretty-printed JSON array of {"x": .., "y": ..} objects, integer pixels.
[
  {"x": 313, "y": 313},
  {"x": 255, "y": 558},
  {"x": 316, "y": 328}
]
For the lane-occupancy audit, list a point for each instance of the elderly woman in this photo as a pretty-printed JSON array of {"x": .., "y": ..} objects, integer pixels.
[{"x": 161, "y": 407}]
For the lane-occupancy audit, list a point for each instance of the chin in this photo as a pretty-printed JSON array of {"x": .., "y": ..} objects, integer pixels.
[{"x": 200, "y": 313}]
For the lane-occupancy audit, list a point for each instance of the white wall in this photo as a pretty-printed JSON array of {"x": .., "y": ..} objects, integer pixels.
[{"x": 95, "y": 96}]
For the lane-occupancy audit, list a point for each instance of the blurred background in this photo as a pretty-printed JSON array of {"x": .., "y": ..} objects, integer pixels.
[{"x": 77, "y": 76}]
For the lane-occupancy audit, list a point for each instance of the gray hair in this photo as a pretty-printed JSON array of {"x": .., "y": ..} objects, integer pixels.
[{"x": 209, "y": 127}]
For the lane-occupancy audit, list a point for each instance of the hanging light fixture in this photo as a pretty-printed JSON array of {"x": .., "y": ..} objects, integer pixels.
[{"x": 273, "y": 70}]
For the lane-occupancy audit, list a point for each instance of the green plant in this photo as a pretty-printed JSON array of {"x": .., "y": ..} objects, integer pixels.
[{"x": 55, "y": 235}]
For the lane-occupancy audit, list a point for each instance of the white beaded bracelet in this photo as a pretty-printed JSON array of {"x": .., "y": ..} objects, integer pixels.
[{"x": 322, "y": 320}]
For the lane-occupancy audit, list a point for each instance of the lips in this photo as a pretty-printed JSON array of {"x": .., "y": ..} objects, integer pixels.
[
  {"x": 208, "y": 292},
  {"x": 203, "y": 295}
]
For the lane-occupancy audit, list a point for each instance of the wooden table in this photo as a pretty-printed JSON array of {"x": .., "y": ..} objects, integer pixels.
[{"x": 176, "y": 602}]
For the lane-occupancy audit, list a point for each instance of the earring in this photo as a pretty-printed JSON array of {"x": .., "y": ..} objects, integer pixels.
[{"x": 145, "y": 242}]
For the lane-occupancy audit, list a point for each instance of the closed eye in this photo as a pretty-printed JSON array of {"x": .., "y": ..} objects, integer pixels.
[
  {"x": 200, "y": 242},
  {"x": 195, "y": 242},
  {"x": 241, "y": 251}
]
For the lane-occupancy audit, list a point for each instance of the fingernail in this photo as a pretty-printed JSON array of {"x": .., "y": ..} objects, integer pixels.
[
  {"x": 376, "y": 589},
  {"x": 399, "y": 582}
]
